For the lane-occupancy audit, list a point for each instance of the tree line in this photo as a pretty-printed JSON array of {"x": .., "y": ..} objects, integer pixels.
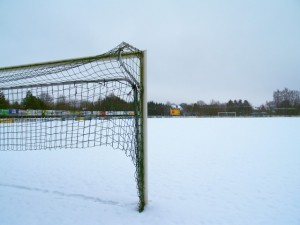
[
  {"x": 285, "y": 103},
  {"x": 44, "y": 101},
  {"x": 239, "y": 107}
]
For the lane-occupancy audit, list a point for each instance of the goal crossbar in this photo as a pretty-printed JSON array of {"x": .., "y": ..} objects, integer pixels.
[{"x": 87, "y": 59}]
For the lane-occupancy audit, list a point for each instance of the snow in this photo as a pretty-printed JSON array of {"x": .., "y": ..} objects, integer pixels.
[{"x": 201, "y": 171}]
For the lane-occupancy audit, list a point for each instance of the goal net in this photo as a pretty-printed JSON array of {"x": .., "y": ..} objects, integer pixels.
[
  {"x": 226, "y": 114},
  {"x": 78, "y": 103}
]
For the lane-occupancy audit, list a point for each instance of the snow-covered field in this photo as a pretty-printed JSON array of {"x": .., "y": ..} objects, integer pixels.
[{"x": 201, "y": 171}]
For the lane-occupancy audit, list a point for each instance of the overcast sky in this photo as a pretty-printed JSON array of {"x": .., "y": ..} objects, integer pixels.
[{"x": 197, "y": 50}]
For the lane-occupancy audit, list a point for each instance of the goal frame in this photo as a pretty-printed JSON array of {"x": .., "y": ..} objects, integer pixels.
[
  {"x": 226, "y": 114},
  {"x": 140, "y": 101}
]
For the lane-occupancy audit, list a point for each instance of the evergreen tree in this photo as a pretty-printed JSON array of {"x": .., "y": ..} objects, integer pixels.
[
  {"x": 32, "y": 102},
  {"x": 4, "y": 104},
  {"x": 158, "y": 109}
]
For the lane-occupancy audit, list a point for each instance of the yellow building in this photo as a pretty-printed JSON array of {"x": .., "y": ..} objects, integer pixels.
[{"x": 175, "y": 111}]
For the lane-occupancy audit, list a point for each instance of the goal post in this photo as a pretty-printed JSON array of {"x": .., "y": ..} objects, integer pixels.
[{"x": 79, "y": 103}]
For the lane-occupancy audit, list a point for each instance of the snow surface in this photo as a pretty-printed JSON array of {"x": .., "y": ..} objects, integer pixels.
[{"x": 201, "y": 171}]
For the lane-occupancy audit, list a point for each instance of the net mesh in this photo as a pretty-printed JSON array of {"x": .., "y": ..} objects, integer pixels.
[{"x": 75, "y": 103}]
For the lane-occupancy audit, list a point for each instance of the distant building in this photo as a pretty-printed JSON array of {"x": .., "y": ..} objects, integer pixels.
[{"x": 175, "y": 110}]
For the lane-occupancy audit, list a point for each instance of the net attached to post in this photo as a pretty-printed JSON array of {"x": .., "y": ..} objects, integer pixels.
[{"x": 76, "y": 103}]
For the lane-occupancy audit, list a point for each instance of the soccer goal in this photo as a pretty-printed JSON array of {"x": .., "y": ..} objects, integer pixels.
[
  {"x": 79, "y": 103},
  {"x": 226, "y": 114}
]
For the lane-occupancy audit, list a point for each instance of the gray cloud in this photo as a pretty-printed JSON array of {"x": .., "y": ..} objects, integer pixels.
[{"x": 197, "y": 50}]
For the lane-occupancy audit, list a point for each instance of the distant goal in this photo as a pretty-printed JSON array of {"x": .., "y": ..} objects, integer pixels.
[
  {"x": 79, "y": 103},
  {"x": 226, "y": 114}
]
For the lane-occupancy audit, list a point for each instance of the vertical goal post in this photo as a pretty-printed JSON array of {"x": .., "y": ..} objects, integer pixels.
[{"x": 79, "y": 103}]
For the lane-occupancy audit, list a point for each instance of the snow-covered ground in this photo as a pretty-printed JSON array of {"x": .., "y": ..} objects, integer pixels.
[{"x": 201, "y": 171}]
